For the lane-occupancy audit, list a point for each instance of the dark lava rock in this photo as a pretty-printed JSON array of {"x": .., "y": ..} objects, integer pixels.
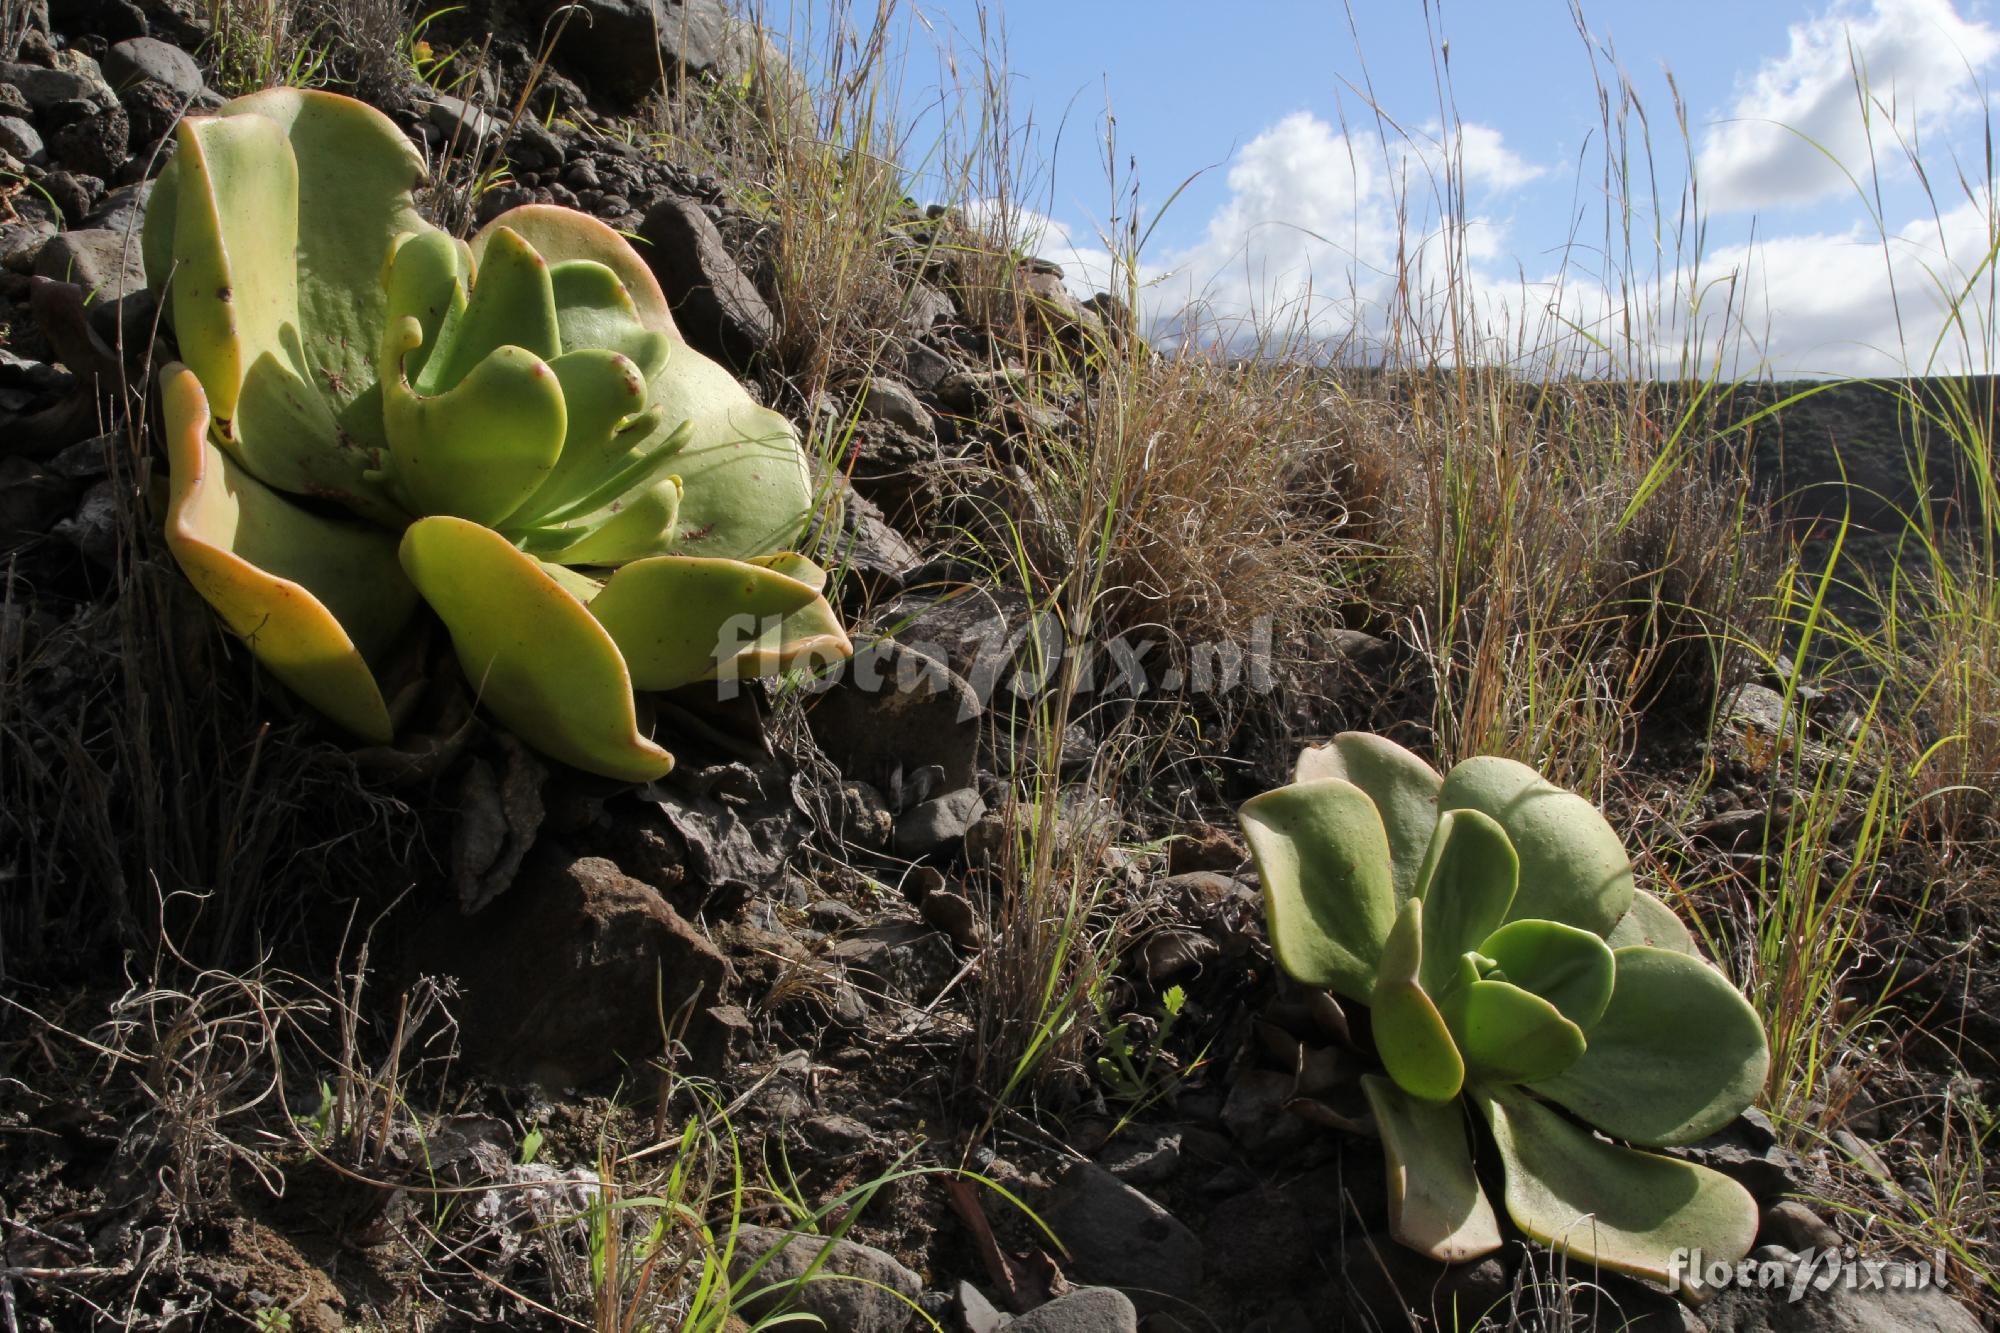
[
  {"x": 1118, "y": 1237},
  {"x": 105, "y": 263},
  {"x": 886, "y": 400},
  {"x": 906, "y": 958},
  {"x": 46, "y": 89},
  {"x": 1747, "y": 1151},
  {"x": 561, "y": 980},
  {"x": 935, "y": 825},
  {"x": 150, "y": 60},
  {"x": 896, "y": 708},
  {"x": 21, "y": 139},
  {"x": 856, "y": 1289},
  {"x": 96, "y": 143},
  {"x": 717, "y": 308},
  {"x": 1838, "y": 1308},
  {"x": 1383, "y": 1280},
  {"x": 627, "y": 44}
]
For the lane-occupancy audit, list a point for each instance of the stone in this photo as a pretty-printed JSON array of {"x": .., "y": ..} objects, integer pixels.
[
  {"x": 717, "y": 309},
  {"x": 151, "y": 109},
  {"x": 1379, "y": 1276},
  {"x": 1205, "y": 847},
  {"x": 1173, "y": 954},
  {"x": 95, "y": 143},
  {"x": 923, "y": 365},
  {"x": 1747, "y": 1151},
  {"x": 562, "y": 986},
  {"x": 21, "y": 139},
  {"x": 924, "y": 307},
  {"x": 46, "y": 89},
  {"x": 739, "y": 828},
  {"x": 856, "y": 1289},
  {"x": 105, "y": 263},
  {"x": 934, "y": 825},
  {"x": 101, "y": 525},
  {"x": 1118, "y": 1237},
  {"x": 886, "y": 400},
  {"x": 32, "y": 500},
  {"x": 123, "y": 210},
  {"x": 1085, "y": 1310},
  {"x": 627, "y": 44},
  {"x": 896, "y": 709},
  {"x": 955, "y": 915},
  {"x": 1797, "y": 1227},
  {"x": 905, "y": 958},
  {"x": 150, "y": 60},
  {"x": 1254, "y": 1113},
  {"x": 976, "y": 1314},
  {"x": 24, "y": 234},
  {"x": 871, "y": 548},
  {"x": 965, "y": 391},
  {"x": 1839, "y": 1308},
  {"x": 977, "y": 632},
  {"x": 460, "y": 122}
]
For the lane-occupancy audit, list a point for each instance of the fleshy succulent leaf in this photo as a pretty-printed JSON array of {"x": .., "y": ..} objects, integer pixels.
[
  {"x": 594, "y": 310},
  {"x": 1677, "y": 1055},
  {"x": 1436, "y": 1205},
  {"x": 1573, "y": 867},
  {"x": 810, "y": 635},
  {"x": 681, "y": 619},
  {"x": 313, "y": 597},
  {"x": 1403, "y": 787},
  {"x": 1509, "y": 1035},
  {"x": 1466, "y": 883},
  {"x": 1410, "y": 1035},
  {"x": 427, "y": 280},
  {"x": 288, "y": 436},
  {"x": 291, "y": 203},
  {"x": 1626, "y": 1210},
  {"x": 562, "y": 234},
  {"x": 480, "y": 448},
  {"x": 607, "y": 430},
  {"x": 1329, "y": 899},
  {"x": 532, "y": 652},
  {"x": 232, "y": 253},
  {"x": 357, "y": 174},
  {"x": 1650, "y": 921},
  {"x": 1572, "y": 969},
  {"x": 638, "y": 524},
  {"x": 749, "y": 491},
  {"x": 512, "y": 304}
]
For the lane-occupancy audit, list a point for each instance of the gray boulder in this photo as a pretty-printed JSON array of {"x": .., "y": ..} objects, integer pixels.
[
  {"x": 1118, "y": 1237},
  {"x": 718, "y": 309},
  {"x": 150, "y": 60},
  {"x": 857, "y": 1289}
]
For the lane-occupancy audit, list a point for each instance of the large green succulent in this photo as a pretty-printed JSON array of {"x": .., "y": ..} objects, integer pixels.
[
  {"x": 1489, "y": 921},
  {"x": 374, "y": 415}
]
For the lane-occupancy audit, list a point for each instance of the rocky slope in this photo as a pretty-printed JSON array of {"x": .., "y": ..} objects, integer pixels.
[{"x": 356, "y": 987}]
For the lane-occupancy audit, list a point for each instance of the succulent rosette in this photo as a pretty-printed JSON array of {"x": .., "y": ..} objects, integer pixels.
[
  {"x": 374, "y": 417},
  {"x": 1489, "y": 921}
]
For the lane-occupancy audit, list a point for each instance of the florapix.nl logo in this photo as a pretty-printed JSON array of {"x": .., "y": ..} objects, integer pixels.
[
  {"x": 1806, "y": 1272},
  {"x": 1022, "y": 657}
]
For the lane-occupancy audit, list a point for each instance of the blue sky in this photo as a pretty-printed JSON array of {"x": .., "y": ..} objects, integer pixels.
[{"x": 1301, "y": 196}]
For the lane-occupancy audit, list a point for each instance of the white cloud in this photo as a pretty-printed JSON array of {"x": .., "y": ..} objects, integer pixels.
[
  {"x": 1323, "y": 237},
  {"x": 1491, "y": 163},
  {"x": 1847, "y": 303},
  {"x": 1797, "y": 120}
]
